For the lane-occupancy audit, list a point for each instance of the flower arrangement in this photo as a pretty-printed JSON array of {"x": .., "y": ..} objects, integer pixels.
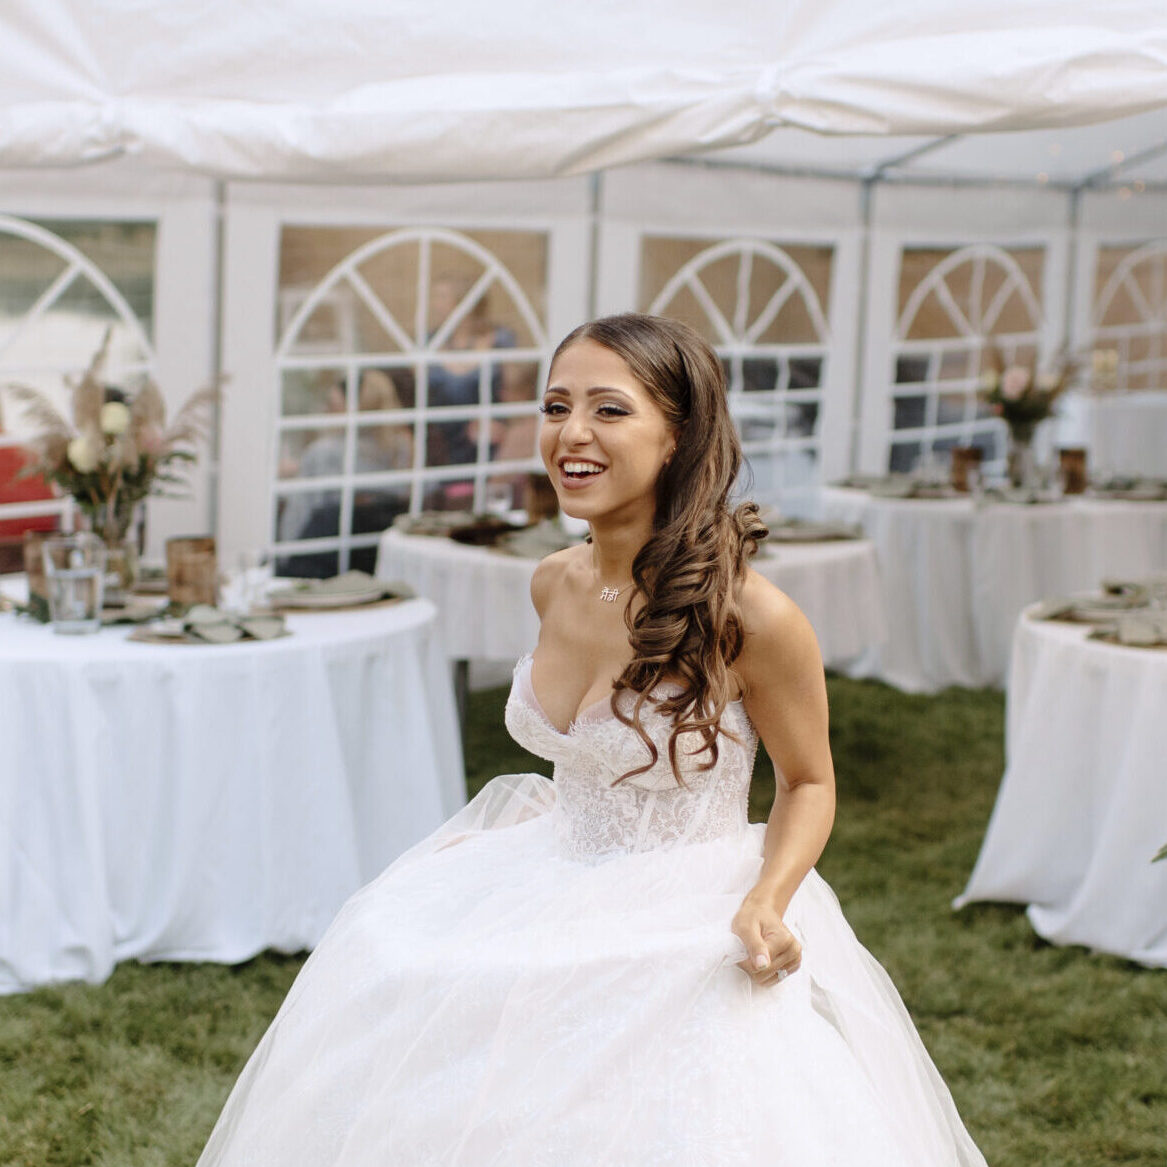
[
  {"x": 115, "y": 452},
  {"x": 1021, "y": 395}
]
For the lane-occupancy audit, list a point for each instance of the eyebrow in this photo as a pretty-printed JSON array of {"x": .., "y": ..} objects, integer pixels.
[{"x": 595, "y": 391}]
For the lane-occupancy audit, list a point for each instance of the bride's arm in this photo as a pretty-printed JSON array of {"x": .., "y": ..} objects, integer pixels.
[{"x": 785, "y": 695}]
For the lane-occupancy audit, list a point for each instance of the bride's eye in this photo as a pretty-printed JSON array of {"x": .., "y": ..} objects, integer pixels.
[
  {"x": 610, "y": 410},
  {"x": 553, "y": 408}
]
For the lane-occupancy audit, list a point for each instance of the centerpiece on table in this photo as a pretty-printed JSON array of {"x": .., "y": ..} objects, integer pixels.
[
  {"x": 1022, "y": 397},
  {"x": 117, "y": 450}
]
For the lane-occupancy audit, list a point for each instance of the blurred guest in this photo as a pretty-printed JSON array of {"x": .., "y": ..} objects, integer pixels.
[
  {"x": 454, "y": 382},
  {"x": 312, "y": 514}
]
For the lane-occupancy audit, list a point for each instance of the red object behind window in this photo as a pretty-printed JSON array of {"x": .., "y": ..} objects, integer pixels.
[{"x": 13, "y": 488}]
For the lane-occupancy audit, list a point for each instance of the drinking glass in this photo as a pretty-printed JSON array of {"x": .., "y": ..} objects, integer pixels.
[
  {"x": 245, "y": 589},
  {"x": 498, "y": 498},
  {"x": 75, "y": 579}
]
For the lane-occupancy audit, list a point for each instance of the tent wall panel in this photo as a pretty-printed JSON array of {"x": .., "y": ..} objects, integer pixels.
[
  {"x": 750, "y": 211},
  {"x": 950, "y": 219},
  {"x": 256, "y": 215}
]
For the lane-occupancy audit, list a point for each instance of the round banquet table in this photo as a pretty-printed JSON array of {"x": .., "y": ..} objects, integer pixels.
[
  {"x": 204, "y": 802},
  {"x": 484, "y": 596},
  {"x": 957, "y": 575},
  {"x": 1079, "y": 814}
]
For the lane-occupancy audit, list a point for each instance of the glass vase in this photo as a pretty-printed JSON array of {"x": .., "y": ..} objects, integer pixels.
[
  {"x": 121, "y": 571},
  {"x": 112, "y": 527},
  {"x": 1020, "y": 459}
]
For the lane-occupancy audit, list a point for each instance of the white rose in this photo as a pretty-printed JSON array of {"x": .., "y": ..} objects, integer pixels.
[
  {"x": 1014, "y": 382},
  {"x": 82, "y": 455},
  {"x": 115, "y": 418}
]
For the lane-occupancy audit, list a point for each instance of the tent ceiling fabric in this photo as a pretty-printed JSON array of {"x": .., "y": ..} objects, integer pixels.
[
  {"x": 1123, "y": 150},
  {"x": 412, "y": 91}
]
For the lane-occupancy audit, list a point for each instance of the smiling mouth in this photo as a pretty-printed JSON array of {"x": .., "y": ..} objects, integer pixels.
[{"x": 580, "y": 470}]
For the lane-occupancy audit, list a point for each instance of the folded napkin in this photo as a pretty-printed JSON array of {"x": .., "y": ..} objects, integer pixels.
[
  {"x": 217, "y": 627},
  {"x": 1141, "y": 630},
  {"x": 1118, "y": 598},
  {"x": 203, "y": 624}
]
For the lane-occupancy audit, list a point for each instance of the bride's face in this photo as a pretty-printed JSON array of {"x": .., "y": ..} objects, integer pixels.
[{"x": 604, "y": 439}]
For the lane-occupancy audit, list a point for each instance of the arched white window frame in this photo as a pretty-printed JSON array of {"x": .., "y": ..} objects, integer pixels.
[
  {"x": 1152, "y": 322},
  {"x": 972, "y": 330},
  {"x": 77, "y": 266},
  {"x": 342, "y": 285},
  {"x": 737, "y": 339}
]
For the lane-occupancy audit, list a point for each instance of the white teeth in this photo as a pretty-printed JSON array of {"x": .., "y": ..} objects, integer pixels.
[{"x": 582, "y": 467}]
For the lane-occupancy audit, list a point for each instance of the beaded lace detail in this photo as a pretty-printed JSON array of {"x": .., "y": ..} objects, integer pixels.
[{"x": 594, "y": 815}]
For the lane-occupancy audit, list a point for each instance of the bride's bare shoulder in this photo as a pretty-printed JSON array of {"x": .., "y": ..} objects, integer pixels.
[
  {"x": 553, "y": 572},
  {"x": 775, "y": 629}
]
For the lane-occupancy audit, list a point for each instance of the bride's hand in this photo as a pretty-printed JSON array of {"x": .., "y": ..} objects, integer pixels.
[{"x": 773, "y": 951}]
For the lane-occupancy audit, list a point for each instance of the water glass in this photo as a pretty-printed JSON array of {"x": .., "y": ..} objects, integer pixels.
[
  {"x": 75, "y": 579},
  {"x": 245, "y": 589},
  {"x": 498, "y": 498}
]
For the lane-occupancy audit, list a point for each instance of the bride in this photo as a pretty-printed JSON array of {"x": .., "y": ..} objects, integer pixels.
[{"x": 614, "y": 969}]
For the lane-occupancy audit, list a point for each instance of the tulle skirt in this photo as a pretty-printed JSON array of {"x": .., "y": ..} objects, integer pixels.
[{"x": 487, "y": 1001}]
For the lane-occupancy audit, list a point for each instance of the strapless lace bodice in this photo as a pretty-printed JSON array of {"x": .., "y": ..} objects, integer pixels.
[{"x": 594, "y": 814}]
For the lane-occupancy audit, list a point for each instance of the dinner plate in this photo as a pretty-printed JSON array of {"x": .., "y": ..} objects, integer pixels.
[{"x": 292, "y": 598}]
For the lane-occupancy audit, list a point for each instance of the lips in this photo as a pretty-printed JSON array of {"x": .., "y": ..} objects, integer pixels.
[{"x": 577, "y": 472}]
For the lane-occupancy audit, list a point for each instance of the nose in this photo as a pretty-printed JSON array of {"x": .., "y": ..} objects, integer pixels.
[{"x": 577, "y": 429}]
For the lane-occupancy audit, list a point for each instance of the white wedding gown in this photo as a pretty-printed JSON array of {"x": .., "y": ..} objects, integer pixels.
[{"x": 549, "y": 981}]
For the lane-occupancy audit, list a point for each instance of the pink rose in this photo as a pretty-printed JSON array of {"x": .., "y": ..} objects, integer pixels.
[
  {"x": 150, "y": 440},
  {"x": 1014, "y": 382}
]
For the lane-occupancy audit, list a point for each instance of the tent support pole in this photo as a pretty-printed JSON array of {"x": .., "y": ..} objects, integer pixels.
[
  {"x": 866, "y": 200},
  {"x": 217, "y": 269},
  {"x": 1073, "y": 225},
  {"x": 595, "y": 201}
]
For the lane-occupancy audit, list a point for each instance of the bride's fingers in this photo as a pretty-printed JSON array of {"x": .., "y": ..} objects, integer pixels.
[
  {"x": 779, "y": 972},
  {"x": 785, "y": 952}
]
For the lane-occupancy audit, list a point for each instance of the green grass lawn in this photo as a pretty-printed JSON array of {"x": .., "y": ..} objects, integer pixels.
[{"x": 1055, "y": 1056}]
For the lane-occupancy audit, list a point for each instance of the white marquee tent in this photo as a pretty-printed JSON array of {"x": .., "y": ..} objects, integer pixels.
[{"x": 266, "y": 158}]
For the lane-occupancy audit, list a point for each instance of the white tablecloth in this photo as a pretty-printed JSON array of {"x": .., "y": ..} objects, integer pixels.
[
  {"x": 484, "y": 596},
  {"x": 207, "y": 802},
  {"x": 1127, "y": 433},
  {"x": 1083, "y": 804},
  {"x": 957, "y": 576}
]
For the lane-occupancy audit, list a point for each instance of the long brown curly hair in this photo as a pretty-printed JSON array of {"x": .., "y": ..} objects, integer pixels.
[{"x": 688, "y": 631}]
